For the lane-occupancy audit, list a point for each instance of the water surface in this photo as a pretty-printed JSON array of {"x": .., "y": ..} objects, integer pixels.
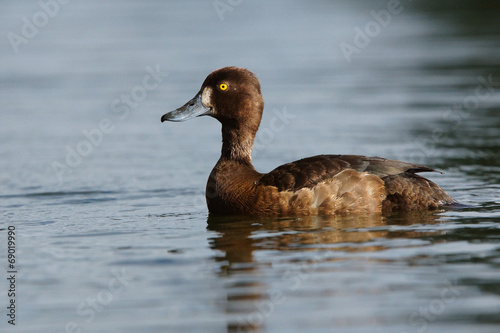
[{"x": 108, "y": 203}]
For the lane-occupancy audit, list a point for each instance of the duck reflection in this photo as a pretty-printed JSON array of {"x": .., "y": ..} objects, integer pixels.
[{"x": 241, "y": 244}]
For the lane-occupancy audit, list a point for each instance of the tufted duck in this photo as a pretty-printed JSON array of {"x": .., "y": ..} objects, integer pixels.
[{"x": 319, "y": 185}]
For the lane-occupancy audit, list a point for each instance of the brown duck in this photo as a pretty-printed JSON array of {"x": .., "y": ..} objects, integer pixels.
[{"x": 318, "y": 185}]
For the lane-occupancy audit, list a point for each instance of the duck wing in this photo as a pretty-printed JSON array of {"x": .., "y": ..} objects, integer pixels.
[{"x": 308, "y": 172}]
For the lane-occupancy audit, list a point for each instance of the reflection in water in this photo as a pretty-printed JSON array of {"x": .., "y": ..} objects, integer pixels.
[{"x": 242, "y": 241}]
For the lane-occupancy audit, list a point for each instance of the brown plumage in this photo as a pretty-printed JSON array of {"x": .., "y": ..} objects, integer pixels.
[{"x": 318, "y": 185}]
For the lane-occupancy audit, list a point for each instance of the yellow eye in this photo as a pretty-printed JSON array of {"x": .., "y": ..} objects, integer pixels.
[{"x": 223, "y": 86}]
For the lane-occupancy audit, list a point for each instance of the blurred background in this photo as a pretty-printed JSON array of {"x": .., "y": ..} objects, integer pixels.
[{"x": 95, "y": 183}]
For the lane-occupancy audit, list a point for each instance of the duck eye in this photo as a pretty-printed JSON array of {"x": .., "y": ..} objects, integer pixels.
[{"x": 223, "y": 86}]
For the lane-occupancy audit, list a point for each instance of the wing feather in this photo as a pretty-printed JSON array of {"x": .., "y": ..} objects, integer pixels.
[{"x": 308, "y": 172}]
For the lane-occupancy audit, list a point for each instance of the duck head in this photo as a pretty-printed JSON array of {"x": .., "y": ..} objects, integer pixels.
[{"x": 231, "y": 95}]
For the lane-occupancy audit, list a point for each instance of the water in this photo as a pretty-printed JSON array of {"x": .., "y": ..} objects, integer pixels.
[{"x": 112, "y": 230}]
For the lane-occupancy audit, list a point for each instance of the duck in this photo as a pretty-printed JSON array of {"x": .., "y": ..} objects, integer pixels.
[{"x": 323, "y": 185}]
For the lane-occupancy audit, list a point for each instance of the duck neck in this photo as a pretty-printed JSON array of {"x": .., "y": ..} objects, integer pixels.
[{"x": 237, "y": 143}]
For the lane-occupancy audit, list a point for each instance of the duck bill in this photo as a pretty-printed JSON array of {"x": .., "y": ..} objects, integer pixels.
[{"x": 193, "y": 108}]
